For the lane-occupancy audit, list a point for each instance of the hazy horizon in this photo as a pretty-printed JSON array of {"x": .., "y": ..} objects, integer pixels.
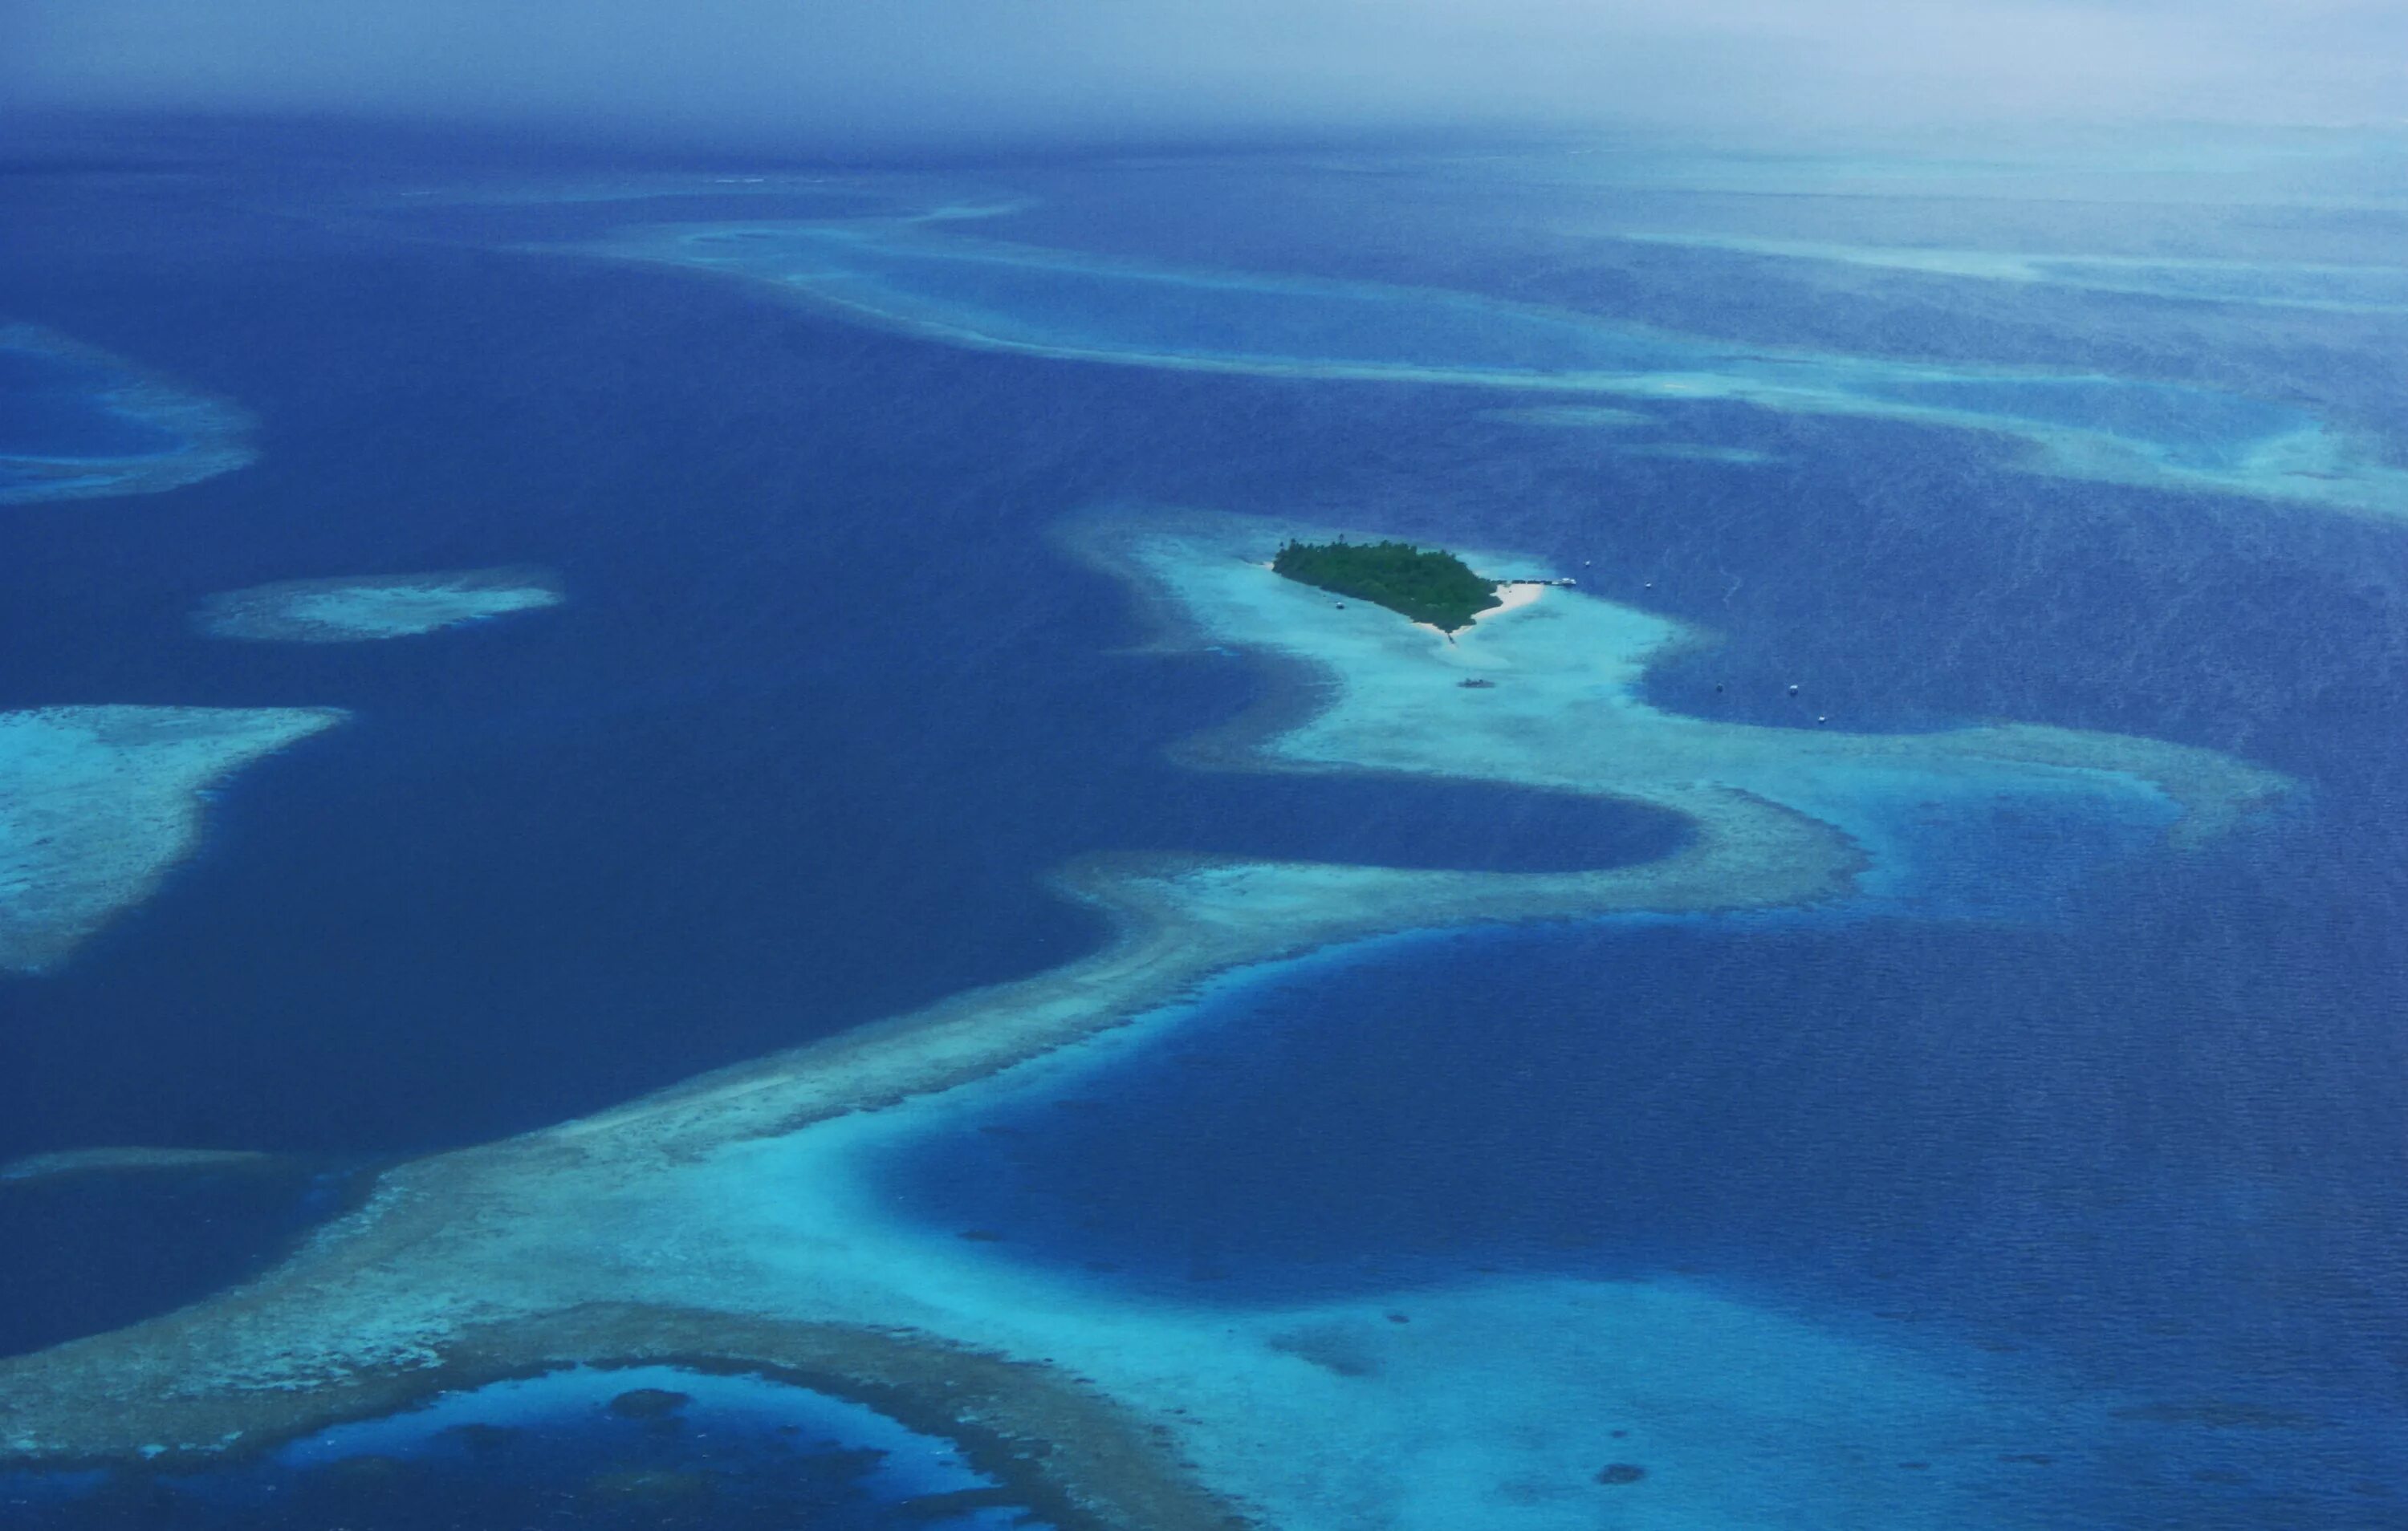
[{"x": 966, "y": 77}]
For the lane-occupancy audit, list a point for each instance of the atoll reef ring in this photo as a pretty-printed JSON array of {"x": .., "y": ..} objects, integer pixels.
[
  {"x": 930, "y": 281},
  {"x": 77, "y": 422},
  {"x": 643, "y": 1445},
  {"x": 731, "y": 890},
  {"x": 737, "y": 1217}
]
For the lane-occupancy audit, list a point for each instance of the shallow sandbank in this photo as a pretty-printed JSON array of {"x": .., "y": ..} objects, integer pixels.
[
  {"x": 98, "y": 803},
  {"x": 365, "y": 608},
  {"x": 198, "y": 436},
  {"x": 912, "y": 276}
]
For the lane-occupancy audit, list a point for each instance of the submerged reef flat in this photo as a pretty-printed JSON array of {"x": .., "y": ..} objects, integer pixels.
[
  {"x": 97, "y": 803},
  {"x": 1690, "y": 452},
  {"x": 924, "y": 280},
  {"x": 83, "y": 424},
  {"x": 366, "y": 607},
  {"x": 127, "y": 1161},
  {"x": 1582, "y": 417},
  {"x": 2281, "y": 284},
  {"x": 1563, "y": 710},
  {"x": 737, "y": 1220}
]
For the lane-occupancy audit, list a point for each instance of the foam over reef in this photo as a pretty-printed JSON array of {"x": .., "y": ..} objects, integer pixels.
[
  {"x": 923, "y": 279},
  {"x": 82, "y": 424},
  {"x": 364, "y": 608},
  {"x": 98, "y": 803},
  {"x": 735, "y": 1219}
]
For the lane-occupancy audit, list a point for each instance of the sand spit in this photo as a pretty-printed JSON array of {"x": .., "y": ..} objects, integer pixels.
[
  {"x": 1512, "y": 595},
  {"x": 368, "y": 608},
  {"x": 735, "y": 1219},
  {"x": 208, "y": 435},
  {"x": 98, "y": 803}
]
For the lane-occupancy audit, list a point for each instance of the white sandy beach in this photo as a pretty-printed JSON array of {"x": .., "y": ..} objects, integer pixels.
[{"x": 1512, "y": 595}]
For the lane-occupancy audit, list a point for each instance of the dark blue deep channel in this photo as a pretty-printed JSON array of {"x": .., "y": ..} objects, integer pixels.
[
  {"x": 825, "y": 700},
  {"x": 641, "y": 1447}
]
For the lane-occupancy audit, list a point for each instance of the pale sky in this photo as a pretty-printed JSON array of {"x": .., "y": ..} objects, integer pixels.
[{"x": 976, "y": 70}]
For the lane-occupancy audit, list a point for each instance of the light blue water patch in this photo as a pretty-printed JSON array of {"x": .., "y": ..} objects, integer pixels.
[
  {"x": 76, "y": 422},
  {"x": 2289, "y": 284},
  {"x": 56, "y": 409},
  {"x": 2016, "y": 853},
  {"x": 995, "y": 296},
  {"x": 1574, "y": 417},
  {"x": 1052, "y": 300},
  {"x": 2196, "y": 427},
  {"x": 1691, "y": 451},
  {"x": 2371, "y": 288}
]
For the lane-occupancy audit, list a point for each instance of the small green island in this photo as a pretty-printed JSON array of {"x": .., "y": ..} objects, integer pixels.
[{"x": 1426, "y": 584}]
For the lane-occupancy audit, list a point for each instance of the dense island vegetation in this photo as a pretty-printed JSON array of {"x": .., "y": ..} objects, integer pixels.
[{"x": 1428, "y": 586}]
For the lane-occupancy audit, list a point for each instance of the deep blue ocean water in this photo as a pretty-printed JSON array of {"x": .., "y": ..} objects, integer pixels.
[{"x": 2142, "y": 1128}]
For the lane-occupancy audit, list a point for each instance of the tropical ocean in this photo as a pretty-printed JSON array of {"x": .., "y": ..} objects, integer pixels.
[{"x": 2114, "y": 1126}]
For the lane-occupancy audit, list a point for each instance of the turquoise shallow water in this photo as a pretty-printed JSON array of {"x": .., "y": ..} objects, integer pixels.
[
  {"x": 64, "y": 425},
  {"x": 2104, "y": 1133},
  {"x": 956, "y": 286},
  {"x": 77, "y": 422}
]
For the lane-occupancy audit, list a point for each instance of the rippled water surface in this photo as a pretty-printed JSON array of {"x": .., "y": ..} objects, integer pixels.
[{"x": 2112, "y": 1122}]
